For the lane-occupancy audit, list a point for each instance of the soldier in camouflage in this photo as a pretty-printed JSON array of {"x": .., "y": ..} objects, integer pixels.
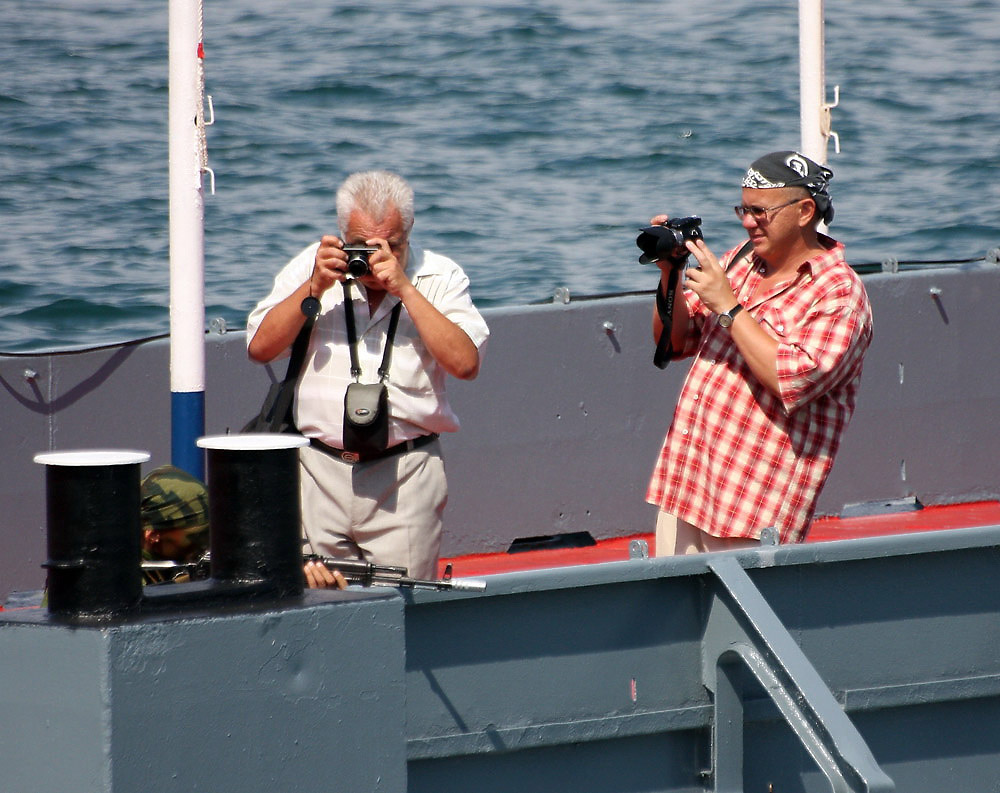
[{"x": 174, "y": 508}]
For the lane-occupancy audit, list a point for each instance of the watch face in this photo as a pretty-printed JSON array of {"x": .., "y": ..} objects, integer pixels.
[{"x": 726, "y": 319}]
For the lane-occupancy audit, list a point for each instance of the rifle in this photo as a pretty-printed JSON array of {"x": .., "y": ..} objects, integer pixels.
[
  {"x": 354, "y": 570},
  {"x": 369, "y": 574}
]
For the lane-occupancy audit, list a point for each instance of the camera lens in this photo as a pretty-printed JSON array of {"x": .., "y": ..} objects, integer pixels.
[
  {"x": 357, "y": 264},
  {"x": 659, "y": 242},
  {"x": 668, "y": 241}
]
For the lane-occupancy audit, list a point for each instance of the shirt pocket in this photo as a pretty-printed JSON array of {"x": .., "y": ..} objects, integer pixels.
[{"x": 774, "y": 322}]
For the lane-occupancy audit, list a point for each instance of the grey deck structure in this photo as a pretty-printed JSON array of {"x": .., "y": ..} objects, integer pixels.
[{"x": 864, "y": 665}]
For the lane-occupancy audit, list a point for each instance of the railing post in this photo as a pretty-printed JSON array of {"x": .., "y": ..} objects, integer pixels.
[
  {"x": 743, "y": 630},
  {"x": 727, "y": 726}
]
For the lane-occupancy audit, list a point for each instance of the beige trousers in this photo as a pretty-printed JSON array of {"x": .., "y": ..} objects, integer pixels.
[
  {"x": 387, "y": 512},
  {"x": 676, "y": 537}
]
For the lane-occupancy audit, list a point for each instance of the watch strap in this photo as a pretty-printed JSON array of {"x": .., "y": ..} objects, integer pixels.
[{"x": 726, "y": 318}]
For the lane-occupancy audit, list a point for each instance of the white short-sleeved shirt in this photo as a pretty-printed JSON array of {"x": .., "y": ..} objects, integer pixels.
[{"x": 418, "y": 401}]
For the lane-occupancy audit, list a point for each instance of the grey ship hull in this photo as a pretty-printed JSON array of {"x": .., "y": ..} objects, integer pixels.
[
  {"x": 561, "y": 429},
  {"x": 864, "y": 665}
]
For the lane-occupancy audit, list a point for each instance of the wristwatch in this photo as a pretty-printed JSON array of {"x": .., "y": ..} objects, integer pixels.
[{"x": 726, "y": 319}]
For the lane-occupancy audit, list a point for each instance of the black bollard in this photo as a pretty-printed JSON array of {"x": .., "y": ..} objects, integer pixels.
[
  {"x": 94, "y": 533},
  {"x": 254, "y": 512}
]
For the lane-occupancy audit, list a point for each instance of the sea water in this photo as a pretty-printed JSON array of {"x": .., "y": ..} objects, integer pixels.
[{"x": 538, "y": 136}]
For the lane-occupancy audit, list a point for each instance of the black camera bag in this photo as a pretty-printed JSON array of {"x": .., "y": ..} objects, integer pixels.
[{"x": 366, "y": 418}]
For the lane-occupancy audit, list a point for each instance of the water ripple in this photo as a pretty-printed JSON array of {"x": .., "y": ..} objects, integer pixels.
[{"x": 537, "y": 137}]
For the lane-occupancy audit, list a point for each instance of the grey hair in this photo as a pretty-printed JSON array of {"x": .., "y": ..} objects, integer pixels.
[{"x": 376, "y": 193}]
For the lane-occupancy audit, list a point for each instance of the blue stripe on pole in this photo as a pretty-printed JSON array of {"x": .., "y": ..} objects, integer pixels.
[{"x": 187, "y": 424}]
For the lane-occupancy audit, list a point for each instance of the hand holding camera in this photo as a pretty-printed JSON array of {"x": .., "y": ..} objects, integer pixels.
[
  {"x": 336, "y": 261},
  {"x": 387, "y": 263},
  {"x": 709, "y": 281},
  {"x": 668, "y": 240},
  {"x": 375, "y": 262},
  {"x": 330, "y": 265}
]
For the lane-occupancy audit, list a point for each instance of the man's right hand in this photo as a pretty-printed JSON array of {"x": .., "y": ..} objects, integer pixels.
[
  {"x": 319, "y": 576},
  {"x": 280, "y": 326},
  {"x": 330, "y": 265}
]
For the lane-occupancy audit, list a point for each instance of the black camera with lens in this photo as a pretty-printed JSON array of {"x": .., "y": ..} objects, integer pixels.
[
  {"x": 357, "y": 259},
  {"x": 668, "y": 240}
]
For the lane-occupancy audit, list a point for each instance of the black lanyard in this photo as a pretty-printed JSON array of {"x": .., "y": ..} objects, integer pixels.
[
  {"x": 665, "y": 309},
  {"x": 352, "y": 336}
]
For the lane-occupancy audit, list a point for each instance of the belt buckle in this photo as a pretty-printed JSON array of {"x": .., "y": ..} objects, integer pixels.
[{"x": 350, "y": 457}]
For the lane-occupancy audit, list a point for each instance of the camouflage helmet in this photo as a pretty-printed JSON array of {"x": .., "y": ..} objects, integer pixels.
[{"x": 172, "y": 499}]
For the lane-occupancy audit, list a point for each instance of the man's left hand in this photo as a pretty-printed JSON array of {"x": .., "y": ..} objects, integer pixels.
[
  {"x": 447, "y": 342},
  {"x": 386, "y": 270},
  {"x": 708, "y": 280}
]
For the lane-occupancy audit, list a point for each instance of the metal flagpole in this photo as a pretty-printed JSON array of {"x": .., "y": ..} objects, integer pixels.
[
  {"x": 814, "y": 111},
  {"x": 812, "y": 79},
  {"x": 187, "y": 260},
  {"x": 815, "y": 116}
]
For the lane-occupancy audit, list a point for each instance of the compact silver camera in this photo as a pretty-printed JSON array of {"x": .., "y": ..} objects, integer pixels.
[{"x": 357, "y": 259}]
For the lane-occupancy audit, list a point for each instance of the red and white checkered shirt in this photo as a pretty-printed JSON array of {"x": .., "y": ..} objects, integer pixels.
[{"x": 737, "y": 458}]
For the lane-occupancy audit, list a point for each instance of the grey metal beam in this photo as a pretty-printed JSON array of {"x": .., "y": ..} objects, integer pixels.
[{"x": 742, "y": 627}]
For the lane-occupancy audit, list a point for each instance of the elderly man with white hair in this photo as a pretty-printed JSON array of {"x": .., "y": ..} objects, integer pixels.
[{"x": 392, "y": 320}]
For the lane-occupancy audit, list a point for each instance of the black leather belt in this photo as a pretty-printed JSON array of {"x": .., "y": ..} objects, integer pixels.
[{"x": 354, "y": 457}]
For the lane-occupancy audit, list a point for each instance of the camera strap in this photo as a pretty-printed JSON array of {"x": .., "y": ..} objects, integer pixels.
[
  {"x": 352, "y": 335},
  {"x": 665, "y": 307}
]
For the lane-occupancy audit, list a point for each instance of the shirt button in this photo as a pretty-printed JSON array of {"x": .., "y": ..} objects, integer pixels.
[{"x": 684, "y": 432}]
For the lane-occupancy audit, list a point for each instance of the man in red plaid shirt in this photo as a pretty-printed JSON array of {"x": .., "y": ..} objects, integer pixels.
[{"x": 779, "y": 330}]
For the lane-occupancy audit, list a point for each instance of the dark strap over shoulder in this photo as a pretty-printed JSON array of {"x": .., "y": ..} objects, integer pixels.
[
  {"x": 743, "y": 251},
  {"x": 275, "y": 414},
  {"x": 283, "y": 404},
  {"x": 299, "y": 347}
]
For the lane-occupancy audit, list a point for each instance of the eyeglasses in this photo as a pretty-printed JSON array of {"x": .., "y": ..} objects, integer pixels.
[{"x": 761, "y": 213}]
